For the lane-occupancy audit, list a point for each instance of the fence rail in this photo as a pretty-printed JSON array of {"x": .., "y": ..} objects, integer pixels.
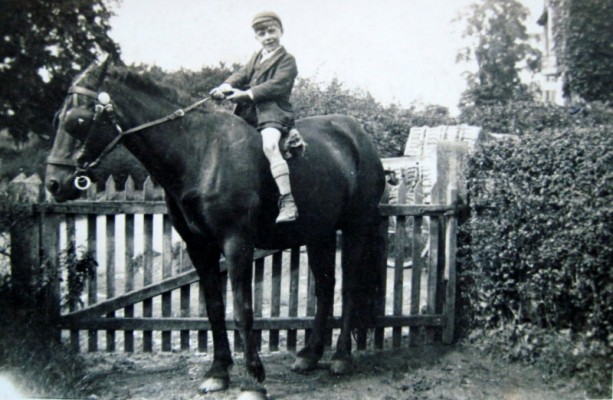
[{"x": 144, "y": 295}]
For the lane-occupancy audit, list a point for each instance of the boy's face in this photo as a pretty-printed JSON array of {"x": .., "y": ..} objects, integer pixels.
[{"x": 269, "y": 36}]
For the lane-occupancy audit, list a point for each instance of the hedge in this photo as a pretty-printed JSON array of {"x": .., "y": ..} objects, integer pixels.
[
  {"x": 538, "y": 242},
  {"x": 535, "y": 276}
]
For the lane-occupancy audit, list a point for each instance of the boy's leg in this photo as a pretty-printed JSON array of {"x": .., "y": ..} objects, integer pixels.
[{"x": 280, "y": 171}]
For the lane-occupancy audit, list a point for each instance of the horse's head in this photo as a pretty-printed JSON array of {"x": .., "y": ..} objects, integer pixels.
[{"x": 84, "y": 127}]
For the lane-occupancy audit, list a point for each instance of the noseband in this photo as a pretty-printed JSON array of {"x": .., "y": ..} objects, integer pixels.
[{"x": 104, "y": 105}]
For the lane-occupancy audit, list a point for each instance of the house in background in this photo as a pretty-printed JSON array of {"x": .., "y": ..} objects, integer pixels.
[{"x": 548, "y": 79}]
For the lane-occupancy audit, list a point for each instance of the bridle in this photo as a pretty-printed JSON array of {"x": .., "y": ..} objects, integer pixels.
[{"x": 104, "y": 106}]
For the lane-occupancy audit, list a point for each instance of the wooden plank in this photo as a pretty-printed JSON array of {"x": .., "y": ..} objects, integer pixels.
[
  {"x": 399, "y": 239},
  {"x": 415, "y": 210},
  {"x": 185, "y": 293},
  {"x": 417, "y": 265},
  {"x": 433, "y": 272},
  {"x": 166, "y": 247},
  {"x": 311, "y": 302},
  {"x": 450, "y": 268},
  {"x": 398, "y": 163},
  {"x": 49, "y": 258},
  {"x": 203, "y": 340},
  {"x": 159, "y": 324},
  {"x": 294, "y": 282},
  {"x": 136, "y": 296},
  {"x": 129, "y": 263},
  {"x": 379, "y": 335},
  {"x": 110, "y": 192},
  {"x": 103, "y": 207},
  {"x": 110, "y": 268},
  {"x": 275, "y": 300},
  {"x": 258, "y": 296},
  {"x": 148, "y": 278},
  {"x": 167, "y": 273},
  {"x": 92, "y": 280},
  {"x": 71, "y": 254}
]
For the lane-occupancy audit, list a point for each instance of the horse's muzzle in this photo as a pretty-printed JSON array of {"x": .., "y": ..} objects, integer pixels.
[{"x": 64, "y": 185}]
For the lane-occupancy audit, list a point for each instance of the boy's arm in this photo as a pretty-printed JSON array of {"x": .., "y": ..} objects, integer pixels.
[
  {"x": 280, "y": 84},
  {"x": 239, "y": 78}
]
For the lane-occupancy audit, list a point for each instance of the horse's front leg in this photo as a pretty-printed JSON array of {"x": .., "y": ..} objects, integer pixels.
[
  {"x": 206, "y": 260},
  {"x": 239, "y": 259}
]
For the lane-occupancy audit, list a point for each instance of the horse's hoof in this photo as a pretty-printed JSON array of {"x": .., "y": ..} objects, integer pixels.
[
  {"x": 214, "y": 385},
  {"x": 304, "y": 364},
  {"x": 341, "y": 367},
  {"x": 256, "y": 370},
  {"x": 250, "y": 394}
]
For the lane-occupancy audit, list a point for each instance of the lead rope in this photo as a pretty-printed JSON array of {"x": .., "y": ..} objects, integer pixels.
[
  {"x": 82, "y": 181},
  {"x": 177, "y": 114}
]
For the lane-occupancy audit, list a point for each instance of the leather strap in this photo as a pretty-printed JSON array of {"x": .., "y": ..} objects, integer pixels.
[{"x": 83, "y": 91}]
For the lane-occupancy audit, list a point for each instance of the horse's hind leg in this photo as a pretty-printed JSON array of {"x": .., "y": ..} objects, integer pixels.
[
  {"x": 359, "y": 266},
  {"x": 321, "y": 262}
]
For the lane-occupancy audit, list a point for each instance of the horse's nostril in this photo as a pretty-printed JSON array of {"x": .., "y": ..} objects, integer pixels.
[{"x": 53, "y": 186}]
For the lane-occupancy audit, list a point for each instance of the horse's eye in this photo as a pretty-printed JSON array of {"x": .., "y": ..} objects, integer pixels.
[{"x": 77, "y": 122}]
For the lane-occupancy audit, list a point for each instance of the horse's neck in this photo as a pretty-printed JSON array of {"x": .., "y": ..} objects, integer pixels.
[
  {"x": 160, "y": 148},
  {"x": 171, "y": 153}
]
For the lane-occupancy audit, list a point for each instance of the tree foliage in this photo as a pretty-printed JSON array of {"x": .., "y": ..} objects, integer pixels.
[
  {"x": 388, "y": 126},
  {"x": 584, "y": 50},
  {"x": 500, "y": 49},
  {"x": 528, "y": 117},
  {"x": 43, "y": 45}
]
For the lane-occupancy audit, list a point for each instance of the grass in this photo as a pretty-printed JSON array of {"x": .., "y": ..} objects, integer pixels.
[{"x": 30, "y": 359}]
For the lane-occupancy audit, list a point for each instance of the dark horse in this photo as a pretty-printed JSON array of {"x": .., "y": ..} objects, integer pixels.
[{"x": 222, "y": 199}]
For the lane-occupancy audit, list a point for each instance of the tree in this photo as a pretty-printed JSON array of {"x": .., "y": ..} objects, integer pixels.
[
  {"x": 43, "y": 44},
  {"x": 583, "y": 47},
  {"x": 500, "y": 49}
]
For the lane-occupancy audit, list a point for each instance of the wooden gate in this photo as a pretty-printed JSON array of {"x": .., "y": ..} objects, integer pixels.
[{"x": 144, "y": 296}]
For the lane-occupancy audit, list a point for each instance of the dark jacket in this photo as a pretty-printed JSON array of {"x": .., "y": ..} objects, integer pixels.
[{"x": 271, "y": 83}]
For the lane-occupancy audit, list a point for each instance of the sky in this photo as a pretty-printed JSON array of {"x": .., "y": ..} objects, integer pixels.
[{"x": 401, "y": 51}]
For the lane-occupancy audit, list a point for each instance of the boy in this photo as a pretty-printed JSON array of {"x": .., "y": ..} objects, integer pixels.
[{"x": 262, "y": 90}]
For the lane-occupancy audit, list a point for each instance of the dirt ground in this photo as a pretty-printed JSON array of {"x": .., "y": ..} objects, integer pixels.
[{"x": 427, "y": 372}]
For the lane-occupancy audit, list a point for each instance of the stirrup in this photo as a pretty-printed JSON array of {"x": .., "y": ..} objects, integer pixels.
[{"x": 287, "y": 209}]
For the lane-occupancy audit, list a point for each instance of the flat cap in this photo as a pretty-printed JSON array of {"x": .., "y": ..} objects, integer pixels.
[{"x": 265, "y": 16}]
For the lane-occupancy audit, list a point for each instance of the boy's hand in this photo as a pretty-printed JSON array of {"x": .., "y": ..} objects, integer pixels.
[
  {"x": 239, "y": 95},
  {"x": 219, "y": 93}
]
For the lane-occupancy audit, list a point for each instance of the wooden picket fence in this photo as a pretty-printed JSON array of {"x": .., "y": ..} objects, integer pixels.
[{"x": 143, "y": 295}]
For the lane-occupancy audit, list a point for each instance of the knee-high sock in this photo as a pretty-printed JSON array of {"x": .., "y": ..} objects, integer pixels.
[{"x": 280, "y": 171}]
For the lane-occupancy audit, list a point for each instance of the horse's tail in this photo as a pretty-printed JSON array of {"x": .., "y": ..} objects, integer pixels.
[{"x": 369, "y": 291}]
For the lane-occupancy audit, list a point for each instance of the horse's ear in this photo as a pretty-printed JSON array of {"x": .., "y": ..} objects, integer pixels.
[{"x": 104, "y": 61}]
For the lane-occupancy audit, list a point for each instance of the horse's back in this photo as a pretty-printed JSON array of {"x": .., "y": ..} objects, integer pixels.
[{"x": 340, "y": 168}]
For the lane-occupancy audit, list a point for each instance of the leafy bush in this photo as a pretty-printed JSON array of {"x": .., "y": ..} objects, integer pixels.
[
  {"x": 37, "y": 364},
  {"x": 537, "y": 262},
  {"x": 388, "y": 126},
  {"x": 528, "y": 117}
]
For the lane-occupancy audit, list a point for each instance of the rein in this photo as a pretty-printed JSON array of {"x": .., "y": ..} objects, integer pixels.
[{"x": 82, "y": 181}]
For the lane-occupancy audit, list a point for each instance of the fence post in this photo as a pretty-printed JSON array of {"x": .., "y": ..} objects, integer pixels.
[
  {"x": 34, "y": 273},
  {"x": 23, "y": 192},
  {"x": 450, "y": 265}
]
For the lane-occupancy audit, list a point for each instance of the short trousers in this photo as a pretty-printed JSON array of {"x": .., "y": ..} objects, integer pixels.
[{"x": 284, "y": 129}]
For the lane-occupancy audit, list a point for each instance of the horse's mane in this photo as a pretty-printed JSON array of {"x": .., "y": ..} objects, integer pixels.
[{"x": 142, "y": 80}]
